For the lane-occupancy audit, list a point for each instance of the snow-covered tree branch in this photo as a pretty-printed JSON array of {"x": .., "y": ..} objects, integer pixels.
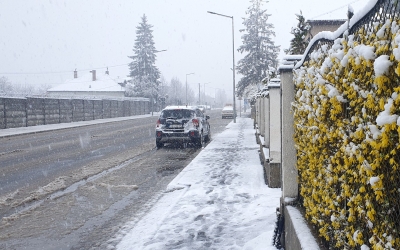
[{"x": 261, "y": 52}]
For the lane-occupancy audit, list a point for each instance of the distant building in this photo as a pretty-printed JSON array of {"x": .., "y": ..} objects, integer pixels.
[
  {"x": 90, "y": 84},
  {"x": 322, "y": 25}
]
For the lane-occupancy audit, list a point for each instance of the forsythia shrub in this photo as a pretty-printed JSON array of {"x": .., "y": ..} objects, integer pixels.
[{"x": 347, "y": 131}]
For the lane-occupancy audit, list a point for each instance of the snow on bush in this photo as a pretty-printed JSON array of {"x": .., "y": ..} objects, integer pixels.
[{"x": 347, "y": 131}]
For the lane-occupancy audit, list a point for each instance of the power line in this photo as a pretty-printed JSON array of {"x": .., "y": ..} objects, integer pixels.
[
  {"x": 335, "y": 9},
  {"x": 59, "y": 72},
  {"x": 68, "y": 71}
]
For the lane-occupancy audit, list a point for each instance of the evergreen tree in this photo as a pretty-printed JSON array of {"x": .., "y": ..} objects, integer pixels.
[
  {"x": 261, "y": 57},
  {"x": 143, "y": 72},
  {"x": 299, "y": 43}
]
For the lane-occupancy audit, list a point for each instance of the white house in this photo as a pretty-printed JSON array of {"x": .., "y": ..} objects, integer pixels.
[{"x": 90, "y": 84}]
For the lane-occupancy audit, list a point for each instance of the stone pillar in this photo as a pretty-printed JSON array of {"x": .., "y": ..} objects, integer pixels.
[
  {"x": 289, "y": 171},
  {"x": 274, "y": 134},
  {"x": 266, "y": 120},
  {"x": 258, "y": 113},
  {"x": 262, "y": 115}
]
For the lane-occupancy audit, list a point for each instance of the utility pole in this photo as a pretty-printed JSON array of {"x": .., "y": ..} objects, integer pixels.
[{"x": 199, "y": 94}]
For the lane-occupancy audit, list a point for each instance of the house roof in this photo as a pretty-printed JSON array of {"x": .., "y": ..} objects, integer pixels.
[{"x": 103, "y": 83}]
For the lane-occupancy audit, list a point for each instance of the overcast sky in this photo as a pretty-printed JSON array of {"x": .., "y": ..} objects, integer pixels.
[{"x": 43, "y": 41}]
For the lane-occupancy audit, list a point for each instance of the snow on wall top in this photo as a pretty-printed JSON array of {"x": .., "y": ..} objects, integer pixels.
[{"x": 289, "y": 61}]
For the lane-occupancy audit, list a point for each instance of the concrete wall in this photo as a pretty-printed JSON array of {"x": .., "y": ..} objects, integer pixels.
[
  {"x": 275, "y": 123},
  {"x": 291, "y": 239},
  {"x": 65, "y": 110},
  {"x": 88, "y": 110},
  {"x": 15, "y": 113},
  {"x": 77, "y": 110},
  {"x": 114, "y": 108},
  {"x": 97, "y": 109},
  {"x": 266, "y": 122},
  {"x": 274, "y": 165},
  {"x": 2, "y": 114},
  {"x": 262, "y": 117},
  {"x": 126, "y": 108},
  {"x": 273, "y": 113},
  {"x": 107, "y": 109},
  {"x": 35, "y": 111},
  {"x": 298, "y": 235},
  {"x": 31, "y": 111},
  {"x": 273, "y": 173},
  {"x": 258, "y": 113},
  {"x": 296, "y": 232},
  {"x": 51, "y": 110}
]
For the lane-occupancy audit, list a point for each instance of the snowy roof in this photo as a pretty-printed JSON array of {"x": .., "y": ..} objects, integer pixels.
[{"x": 103, "y": 83}]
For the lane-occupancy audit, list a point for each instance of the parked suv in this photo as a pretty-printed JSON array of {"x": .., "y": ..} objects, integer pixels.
[{"x": 182, "y": 124}]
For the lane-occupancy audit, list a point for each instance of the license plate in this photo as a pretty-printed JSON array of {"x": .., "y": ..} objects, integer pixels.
[{"x": 175, "y": 126}]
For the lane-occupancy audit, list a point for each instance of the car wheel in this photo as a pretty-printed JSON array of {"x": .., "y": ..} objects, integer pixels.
[
  {"x": 208, "y": 136},
  {"x": 200, "y": 141},
  {"x": 159, "y": 144}
]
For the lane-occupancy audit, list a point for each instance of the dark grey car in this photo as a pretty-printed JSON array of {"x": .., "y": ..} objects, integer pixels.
[{"x": 182, "y": 124}]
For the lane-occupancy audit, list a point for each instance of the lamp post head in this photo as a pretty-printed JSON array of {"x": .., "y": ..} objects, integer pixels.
[
  {"x": 233, "y": 68},
  {"x": 214, "y": 13}
]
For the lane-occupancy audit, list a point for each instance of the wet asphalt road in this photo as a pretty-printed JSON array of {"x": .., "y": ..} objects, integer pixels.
[{"x": 76, "y": 188}]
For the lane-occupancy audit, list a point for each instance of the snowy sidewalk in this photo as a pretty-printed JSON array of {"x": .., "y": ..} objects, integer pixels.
[{"x": 219, "y": 201}]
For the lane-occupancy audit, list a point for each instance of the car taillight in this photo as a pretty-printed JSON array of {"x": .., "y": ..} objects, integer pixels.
[
  {"x": 158, "y": 123},
  {"x": 159, "y": 134},
  {"x": 195, "y": 122}
]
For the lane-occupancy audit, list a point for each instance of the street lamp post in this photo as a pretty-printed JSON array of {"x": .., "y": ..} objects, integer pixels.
[
  {"x": 205, "y": 99},
  {"x": 233, "y": 53},
  {"x": 186, "y": 87},
  {"x": 199, "y": 93}
]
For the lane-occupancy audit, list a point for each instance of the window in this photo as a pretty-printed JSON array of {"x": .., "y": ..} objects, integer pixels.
[{"x": 177, "y": 113}]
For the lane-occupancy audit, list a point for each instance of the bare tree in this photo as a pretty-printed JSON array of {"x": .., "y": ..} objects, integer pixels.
[{"x": 5, "y": 86}]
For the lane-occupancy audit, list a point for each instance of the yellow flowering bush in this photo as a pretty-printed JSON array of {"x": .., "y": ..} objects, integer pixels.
[{"x": 347, "y": 136}]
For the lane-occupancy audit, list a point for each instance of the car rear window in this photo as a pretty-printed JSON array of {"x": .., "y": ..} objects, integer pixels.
[{"x": 177, "y": 113}]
